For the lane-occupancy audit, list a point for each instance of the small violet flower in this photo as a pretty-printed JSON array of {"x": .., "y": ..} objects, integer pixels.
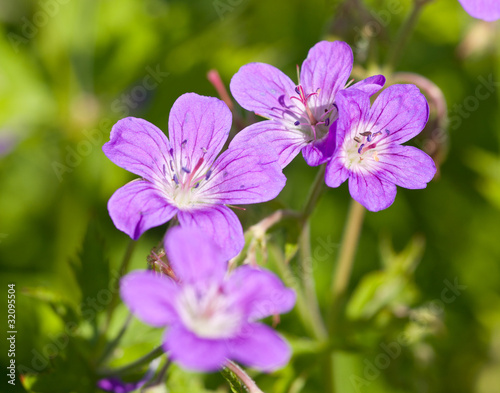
[
  {"x": 299, "y": 116},
  {"x": 368, "y": 145},
  {"x": 211, "y": 315},
  {"x": 182, "y": 176},
  {"x": 488, "y": 10}
]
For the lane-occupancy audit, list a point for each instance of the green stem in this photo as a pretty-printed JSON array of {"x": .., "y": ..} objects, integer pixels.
[
  {"x": 308, "y": 283},
  {"x": 244, "y": 377},
  {"x": 348, "y": 247},
  {"x": 146, "y": 359},
  {"x": 290, "y": 281},
  {"x": 315, "y": 192},
  {"x": 403, "y": 35}
]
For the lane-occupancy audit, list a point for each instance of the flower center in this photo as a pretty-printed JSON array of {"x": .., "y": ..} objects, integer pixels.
[
  {"x": 363, "y": 147},
  {"x": 184, "y": 178},
  {"x": 313, "y": 120},
  {"x": 208, "y": 313}
]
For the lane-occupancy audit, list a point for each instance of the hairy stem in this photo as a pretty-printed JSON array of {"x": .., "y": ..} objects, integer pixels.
[
  {"x": 244, "y": 377},
  {"x": 315, "y": 192}
]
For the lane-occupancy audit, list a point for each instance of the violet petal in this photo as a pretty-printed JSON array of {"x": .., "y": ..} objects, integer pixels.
[
  {"x": 192, "y": 352},
  {"x": 138, "y": 206},
  {"x": 222, "y": 225},
  {"x": 139, "y": 147},
  {"x": 150, "y": 297},
  {"x": 198, "y": 127},
  {"x": 193, "y": 264}
]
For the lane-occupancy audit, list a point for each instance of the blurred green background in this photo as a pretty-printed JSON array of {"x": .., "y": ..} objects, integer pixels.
[{"x": 69, "y": 69}]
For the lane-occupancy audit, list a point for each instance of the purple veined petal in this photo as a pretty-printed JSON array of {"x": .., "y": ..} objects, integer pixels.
[
  {"x": 192, "y": 352},
  {"x": 198, "y": 128},
  {"x": 336, "y": 172},
  {"x": 401, "y": 111},
  {"x": 320, "y": 151},
  {"x": 220, "y": 223},
  {"x": 287, "y": 142},
  {"x": 138, "y": 206},
  {"x": 259, "y": 292},
  {"x": 191, "y": 264},
  {"x": 265, "y": 90},
  {"x": 327, "y": 67},
  {"x": 260, "y": 347},
  {"x": 370, "y": 85},
  {"x": 354, "y": 109},
  {"x": 371, "y": 191},
  {"x": 488, "y": 10},
  {"x": 139, "y": 147},
  {"x": 406, "y": 166},
  {"x": 149, "y": 297},
  {"x": 243, "y": 175}
]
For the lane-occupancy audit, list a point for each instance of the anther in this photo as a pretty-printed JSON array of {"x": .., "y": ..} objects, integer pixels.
[
  {"x": 172, "y": 165},
  {"x": 175, "y": 179},
  {"x": 387, "y": 132},
  {"x": 357, "y": 139},
  {"x": 361, "y": 148},
  {"x": 327, "y": 122},
  {"x": 209, "y": 172},
  {"x": 186, "y": 170},
  {"x": 297, "y": 123},
  {"x": 297, "y": 91}
]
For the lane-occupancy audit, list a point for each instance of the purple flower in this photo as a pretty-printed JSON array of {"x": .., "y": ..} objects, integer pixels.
[
  {"x": 299, "y": 116},
  {"x": 182, "y": 176},
  {"x": 211, "y": 316},
  {"x": 368, "y": 145},
  {"x": 488, "y": 10}
]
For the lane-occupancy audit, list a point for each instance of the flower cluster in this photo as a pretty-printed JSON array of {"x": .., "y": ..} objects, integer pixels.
[{"x": 211, "y": 314}]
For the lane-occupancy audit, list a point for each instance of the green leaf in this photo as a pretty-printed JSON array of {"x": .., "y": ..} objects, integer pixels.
[{"x": 91, "y": 268}]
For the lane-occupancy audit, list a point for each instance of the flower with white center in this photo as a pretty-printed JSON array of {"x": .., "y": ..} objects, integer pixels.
[
  {"x": 368, "y": 148},
  {"x": 299, "y": 115},
  {"x": 183, "y": 176},
  {"x": 211, "y": 316}
]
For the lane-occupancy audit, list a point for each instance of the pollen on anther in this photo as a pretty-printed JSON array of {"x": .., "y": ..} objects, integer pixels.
[
  {"x": 375, "y": 156},
  {"x": 209, "y": 172}
]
